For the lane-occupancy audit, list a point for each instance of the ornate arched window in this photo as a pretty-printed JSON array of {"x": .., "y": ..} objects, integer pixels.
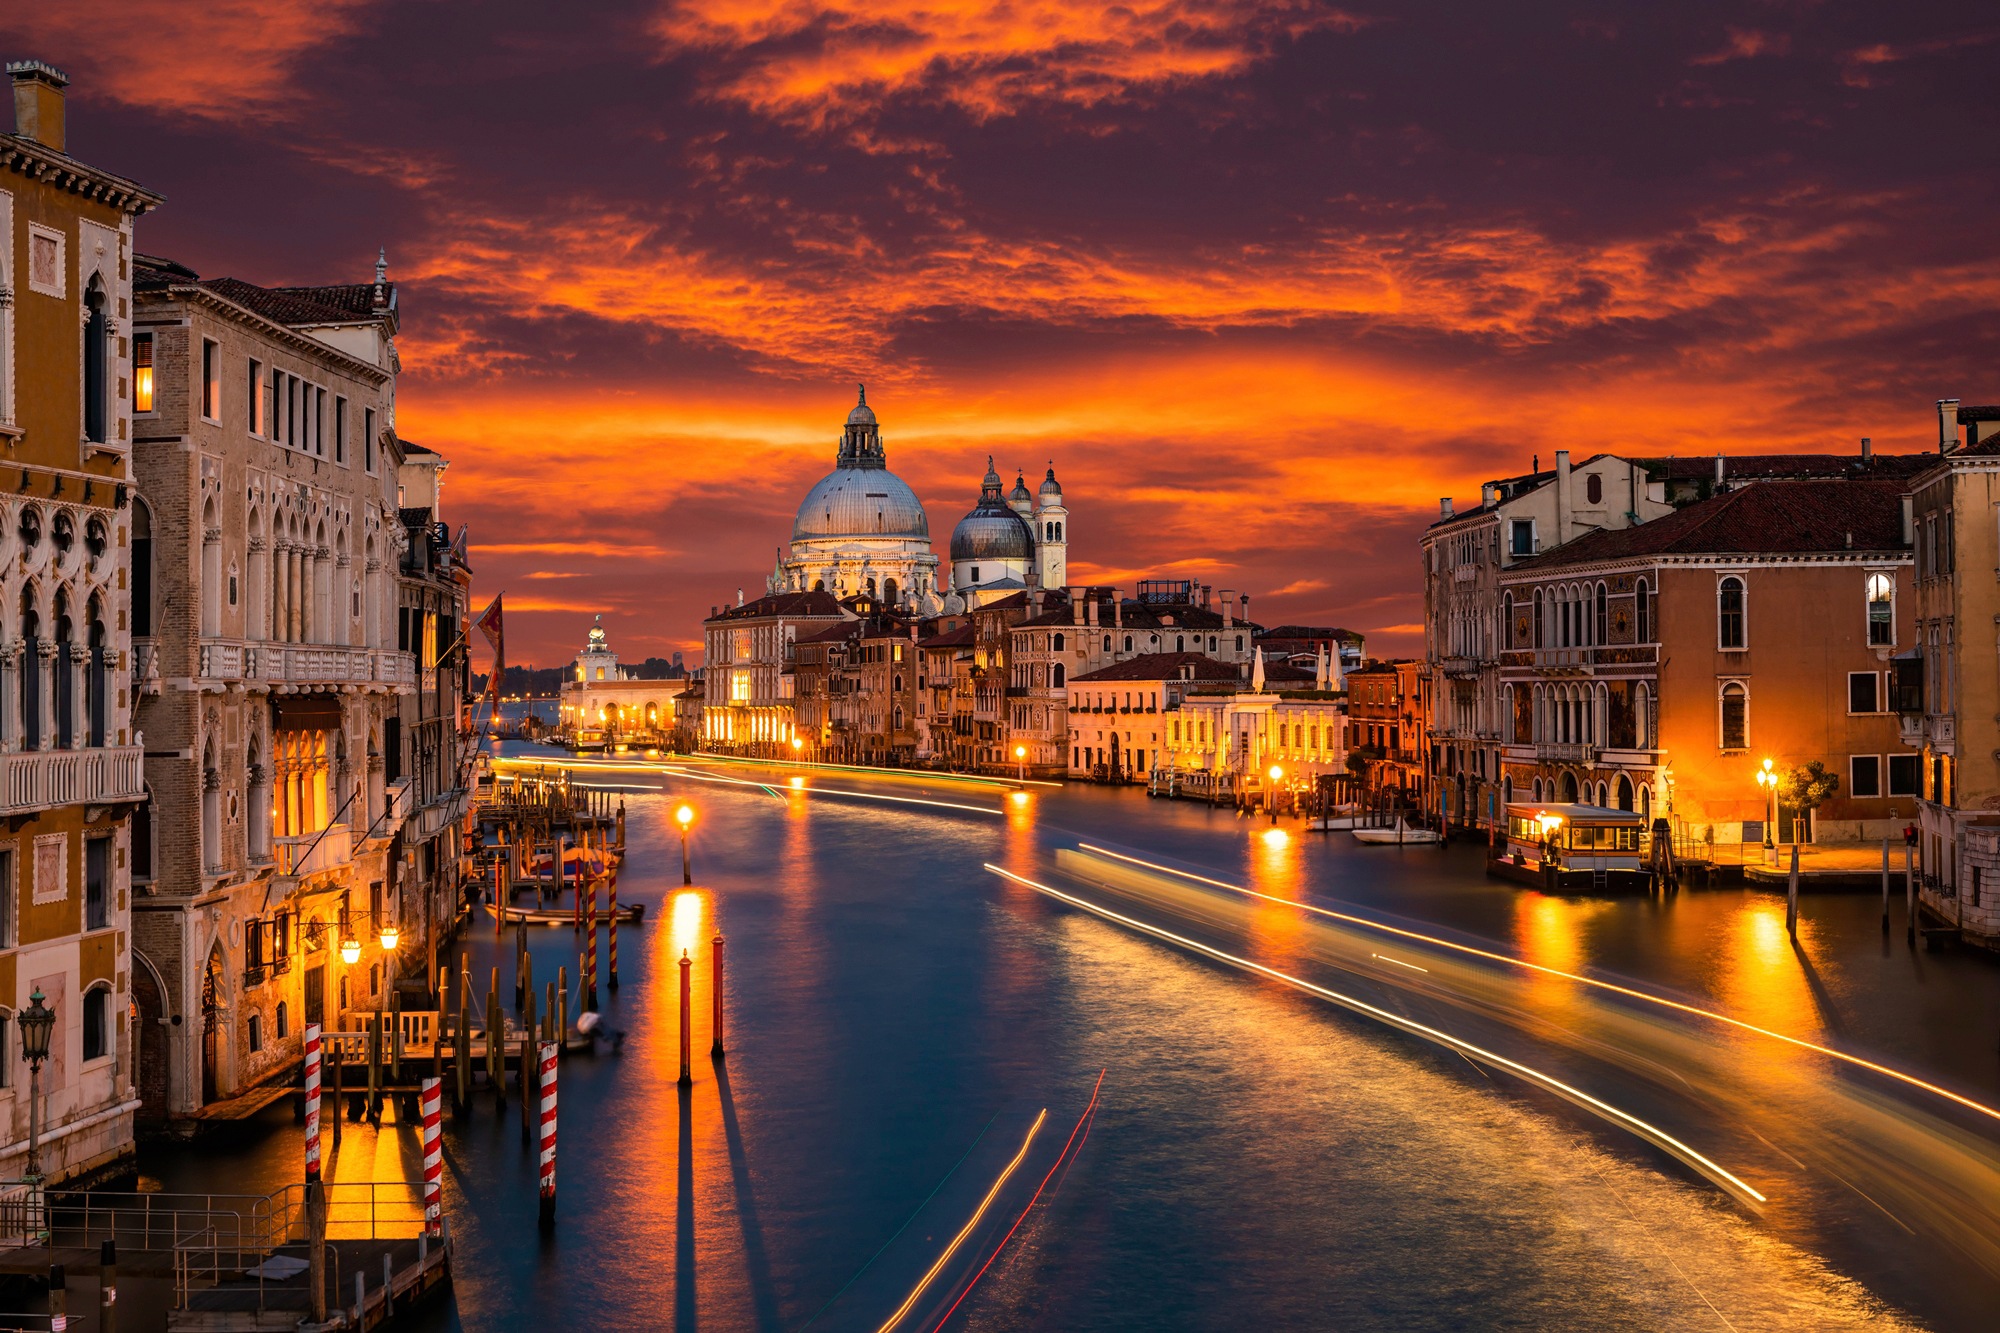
[{"x": 1730, "y": 629}]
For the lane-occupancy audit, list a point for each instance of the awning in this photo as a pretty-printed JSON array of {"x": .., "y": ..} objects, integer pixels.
[{"x": 306, "y": 712}]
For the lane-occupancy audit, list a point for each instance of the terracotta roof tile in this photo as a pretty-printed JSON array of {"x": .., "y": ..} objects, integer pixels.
[
  {"x": 1161, "y": 666},
  {"x": 1769, "y": 518}
]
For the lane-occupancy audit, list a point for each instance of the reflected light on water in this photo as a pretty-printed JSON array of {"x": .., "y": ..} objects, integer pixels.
[
  {"x": 687, "y": 914},
  {"x": 1762, "y": 975},
  {"x": 1276, "y": 837}
]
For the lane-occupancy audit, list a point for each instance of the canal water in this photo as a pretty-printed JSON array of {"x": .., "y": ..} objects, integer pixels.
[{"x": 1257, "y": 1158}]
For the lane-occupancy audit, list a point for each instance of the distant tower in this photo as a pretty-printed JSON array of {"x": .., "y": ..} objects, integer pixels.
[{"x": 1051, "y": 539}]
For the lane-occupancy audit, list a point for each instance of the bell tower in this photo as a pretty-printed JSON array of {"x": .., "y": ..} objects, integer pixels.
[{"x": 1051, "y": 538}]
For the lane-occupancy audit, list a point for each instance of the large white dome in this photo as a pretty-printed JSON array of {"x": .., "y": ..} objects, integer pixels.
[{"x": 861, "y": 502}]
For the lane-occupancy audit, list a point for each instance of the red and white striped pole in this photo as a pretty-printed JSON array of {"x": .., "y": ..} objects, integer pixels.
[
  {"x": 611, "y": 892},
  {"x": 548, "y": 1207},
  {"x": 312, "y": 1102},
  {"x": 433, "y": 1159},
  {"x": 590, "y": 924}
]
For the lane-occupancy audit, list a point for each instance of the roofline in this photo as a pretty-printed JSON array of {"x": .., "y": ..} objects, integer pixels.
[
  {"x": 194, "y": 293},
  {"x": 126, "y": 196},
  {"x": 1901, "y": 555}
]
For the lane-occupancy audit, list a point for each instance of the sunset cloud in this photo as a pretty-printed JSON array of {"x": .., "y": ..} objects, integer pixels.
[{"x": 1263, "y": 278}]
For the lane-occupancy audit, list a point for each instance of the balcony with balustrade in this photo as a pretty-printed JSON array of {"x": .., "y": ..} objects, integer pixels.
[
  {"x": 32, "y": 780},
  {"x": 303, "y": 854},
  {"x": 305, "y": 664}
]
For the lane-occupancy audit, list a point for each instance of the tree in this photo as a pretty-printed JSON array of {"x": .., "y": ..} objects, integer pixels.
[{"x": 1805, "y": 788}]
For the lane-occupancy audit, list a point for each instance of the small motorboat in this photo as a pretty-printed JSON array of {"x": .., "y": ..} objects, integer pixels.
[
  {"x": 1401, "y": 835},
  {"x": 1335, "y": 823},
  {"x": 559, "y": 916}
]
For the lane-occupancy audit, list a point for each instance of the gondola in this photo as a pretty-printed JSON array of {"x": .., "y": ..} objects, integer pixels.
[{"x": 559, "y": 916}]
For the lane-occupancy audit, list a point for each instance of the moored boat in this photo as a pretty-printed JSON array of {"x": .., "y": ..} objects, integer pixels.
[
  {"x": 1400, "y": 835},
  {"x": 558, "y": 916}
]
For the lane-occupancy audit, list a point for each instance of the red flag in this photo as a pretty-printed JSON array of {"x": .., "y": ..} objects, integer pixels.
[{"x": 490, "y": 625}]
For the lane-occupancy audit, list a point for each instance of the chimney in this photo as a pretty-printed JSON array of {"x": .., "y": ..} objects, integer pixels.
[
  {"x": 1947, "y": 407},
  {"x": 739, "y": 596},
  {"x": 38, "y": 102},
  {"x": 1721, "y": 474},
  {"x": 1117, "y": 610},
  {"x": 1867, "y": 448},
  {"x": 1562, "y": 496},
  {"x": 1489, "y": 493},
  {"x": 1076, "y": 606},
  {"x": 1243, "y": 606},
  {"x": 1909, "y": 519},
  {"x": 1089, "y": 607},
  {"x": 1444, "y": 506}
]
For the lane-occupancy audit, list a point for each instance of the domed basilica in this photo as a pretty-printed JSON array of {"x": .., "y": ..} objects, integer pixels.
[{"x": 861, "y": 529}]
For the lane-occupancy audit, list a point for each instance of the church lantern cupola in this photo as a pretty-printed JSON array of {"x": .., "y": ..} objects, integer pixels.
[{"x": 861, "y": 442}]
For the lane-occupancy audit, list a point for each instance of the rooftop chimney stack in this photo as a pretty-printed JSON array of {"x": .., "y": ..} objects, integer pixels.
[
  {"x": 1947, "y": 422},
  {"x": 1489, "y": 493},
  {"x": 1867, "y": 448},
  {"x": 1721, "y": 474},
  {"x": 1909, "y": 519},
  {"x": 1444, "y": 506},
  {"x": 38, "y": 103}
]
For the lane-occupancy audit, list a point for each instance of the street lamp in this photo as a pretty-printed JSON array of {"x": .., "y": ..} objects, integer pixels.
[
  {"x": 685, "y": 816},
  {"x": 37, "y": 1021},
  {"x": 1768, "y": 781},
  {"x": 1277, "y": 775},
  {"x": 1021, "y": 760}
]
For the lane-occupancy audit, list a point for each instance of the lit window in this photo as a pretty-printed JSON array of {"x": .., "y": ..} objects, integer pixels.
[
  {"x": 1881, "y": 610},
  {"x": 142, "y": 373},
  {"x": 211, "y": 379},
  {"x": 254, "y": 390}
]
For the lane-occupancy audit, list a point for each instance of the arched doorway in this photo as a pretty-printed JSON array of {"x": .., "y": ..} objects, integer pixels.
[
  {"x": 1569, "y": 786},
  {"x": 1624, "y": 792},
  {"x": 152, "y": 1039},
  {"x": 214, "y": 1037},
  {"x": 1111, "y": 769}
]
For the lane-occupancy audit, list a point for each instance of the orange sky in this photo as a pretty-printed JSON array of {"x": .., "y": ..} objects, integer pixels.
[{"x": 1262, "y": 278}]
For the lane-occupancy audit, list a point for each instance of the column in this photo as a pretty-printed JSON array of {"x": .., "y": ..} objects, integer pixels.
[
  {"x": 281, "y": 588},
  {"x": 44, "y": 668}
]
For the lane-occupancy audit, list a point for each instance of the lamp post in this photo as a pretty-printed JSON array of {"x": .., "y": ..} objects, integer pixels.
[
  {"x": 1021, "y": 764},
  {"x": 1271, "y": 797},
  {"x": 37, "y": 1021},
  {"x": 1767, "y": 781},
  {"x": 685, "y": 816}
]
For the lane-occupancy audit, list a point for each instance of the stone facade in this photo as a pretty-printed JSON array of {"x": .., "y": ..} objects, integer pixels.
[
  {"x": 68, "y": 752},
  {"x": 271, "y": 684}
]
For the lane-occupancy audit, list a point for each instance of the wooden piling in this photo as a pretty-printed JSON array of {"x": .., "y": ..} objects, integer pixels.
[
  {"x": 527, "y": 981},
  {"x": 687, "y": 1022},
  {"x": 549, "y": 1013},
  {"x": 316, "y": 1239},
  {"x": 611, "y": 893},
  {"x": 527, "y": 1084},
  {"x": 107, "y": 1287},
  {"x": 590, "y": 982},
  {"x": 716, "y": 1050},
  {"x": 58, "y": 1298},
  {"x": 395, "y": 1036},
  {"x": 1792, "y": 897},
  {"x": 1885, "y": 886},
  {"x": 1910, "y": 886},
  {"x": 461, "y": 1045},
  {"x": 546, "y": 1210},
  {"x": 496, "y": 1043},
  {"x": 374, "y": 1108},
  {"x": 339, "y": 1098},
  {"x": 562, "y": 1009}
]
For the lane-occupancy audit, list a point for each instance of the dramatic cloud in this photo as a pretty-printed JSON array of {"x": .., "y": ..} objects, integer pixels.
[{"x": 1261, "y": 278}]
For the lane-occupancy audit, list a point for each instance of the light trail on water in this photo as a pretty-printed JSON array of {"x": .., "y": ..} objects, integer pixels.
[
  {"x": 1728, "y": 1180},
  {"x": 1857, "y": 1061},
  {"x": 797, "y": 785}
]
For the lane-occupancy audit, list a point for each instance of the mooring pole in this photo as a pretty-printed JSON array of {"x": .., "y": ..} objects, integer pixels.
[
  {"x": 316, "y": 1245},
  {"x": 687, "y": 1022},
  {"x": 1792, "y": 897},
  {"x": 461, "y": 1054},
  {"x": 1910, "y": 886},
  {"x": 1885, "y": 886},
  {"x": 716, "y": 1050},
  {"x": 528, "y": 1098},
  {"x": 312, "y": 1101},
  {"x": 547, "y": 1210},
  {"x": 496, "y": 1043},
  {"x": 611, "y": 894},
  {"x": 107, "y": 1287}
]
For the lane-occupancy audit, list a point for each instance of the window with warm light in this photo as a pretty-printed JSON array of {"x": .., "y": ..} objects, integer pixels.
[
  {"x": 142, "y": 372},
  {"x": 1881, "y": 610},
  {"x": 1729, "y": 628}
]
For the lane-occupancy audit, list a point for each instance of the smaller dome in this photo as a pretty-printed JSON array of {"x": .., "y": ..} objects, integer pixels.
[
  {"x": 862, "y": 415},
  {"x": 1020, "y": 491},
  {"x": 989, "y": 536},
  {"x": 1050, "y": 486}
]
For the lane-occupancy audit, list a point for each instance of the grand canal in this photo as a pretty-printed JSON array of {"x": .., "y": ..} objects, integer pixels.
[{"x": 1260, "y": 1156}]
